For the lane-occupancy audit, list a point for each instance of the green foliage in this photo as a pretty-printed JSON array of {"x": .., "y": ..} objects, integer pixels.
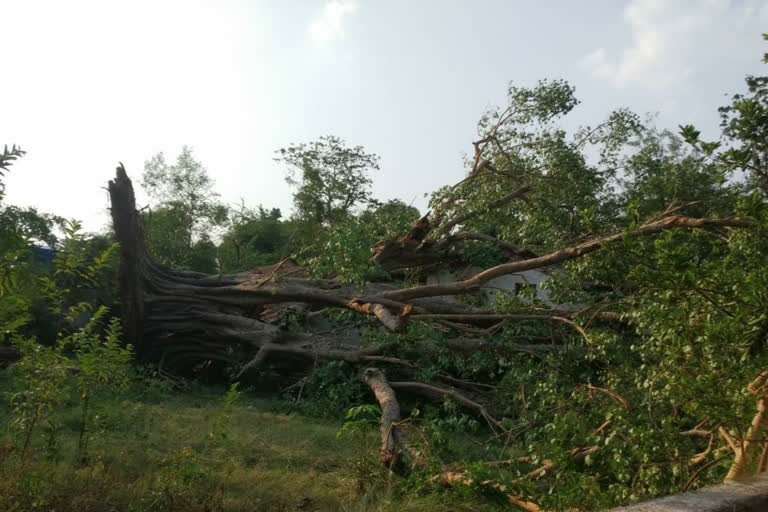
[
  {"x": 521, "y": 146},
  {"x": 19, "y": 228},
  {"x": 83, "y": 279},
  {"x": 30, "y": 225},
  {"x": 360, "y": 419},
  {"x": 663, "y": 172},
  {"x": 43, "y": 375},
  {"x": 345, "y": 248},
  {"x": 331, "y": 178},
  {"x": 165, "y": 236},
  {"x": 179, "y": 230},
  {"x": 254, "y": 238},
  {"x": 329, "y": 392},
  {"x": 103, "y": 366},
  {"x": 41, "y": 378},
  {"x": 743, "y": 148},
  {"x": 7, "y": 158},
  {"x": 218, "y": 428},
  {"x": 600, "y": 417},
  {"x": 37, "y": 379}
]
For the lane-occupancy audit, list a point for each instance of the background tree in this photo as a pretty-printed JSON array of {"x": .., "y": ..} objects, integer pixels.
[
  {"x": 743, "y": 146},
  {"x": 253, "y": 238},
  {"x": 331, "y": 178},
  {"x": 344, "y": 250},
  {"x": 188, "y": 210}
]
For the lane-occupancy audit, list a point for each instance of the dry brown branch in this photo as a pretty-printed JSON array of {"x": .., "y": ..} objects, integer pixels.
[
  {"x": 703, "y": 455},
  {"x": 745, "y": 451},
  {"x": 729, "y": 439},
  {"x": 392, "y": 322},
  {"x": 762, "y": 467},
  {"x": 575, "y": 326},
  {"x": 579, "y": 454},
  {"x": 696, "y": 432},
  {"x": 453, "y": 477},
  {"x": 695, "y": 476},
  {"x": 601, "y": 429},
  {"x": 617, "y": 397},
  {"x": 546, "y": 465}
]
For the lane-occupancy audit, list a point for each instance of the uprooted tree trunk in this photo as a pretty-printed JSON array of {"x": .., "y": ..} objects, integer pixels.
[{"x": 184, "y": 318}]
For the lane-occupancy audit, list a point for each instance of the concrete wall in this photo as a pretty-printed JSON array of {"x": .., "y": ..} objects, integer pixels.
[{"x": 750, "y": 495}]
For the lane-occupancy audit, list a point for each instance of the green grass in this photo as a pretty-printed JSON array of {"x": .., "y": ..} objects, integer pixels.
[{"x": 179, "y": 452}]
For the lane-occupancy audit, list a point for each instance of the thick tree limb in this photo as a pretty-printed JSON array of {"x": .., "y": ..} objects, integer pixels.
[
  {"x": 393, "y": 439},
  {"x": 560, "y": 256}
]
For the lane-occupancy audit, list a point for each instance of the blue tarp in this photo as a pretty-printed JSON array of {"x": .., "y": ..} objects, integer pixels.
[{"x": 44, "y": 255}]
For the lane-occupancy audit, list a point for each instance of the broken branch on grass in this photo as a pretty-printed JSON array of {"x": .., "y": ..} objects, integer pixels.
[{"x": 393, "y": 439}]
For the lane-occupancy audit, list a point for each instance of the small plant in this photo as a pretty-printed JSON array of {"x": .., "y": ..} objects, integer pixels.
[
  {"x": 181, "y": 475},
  {"x": 102, "y": 366},
  {"x": 360, "y": 421},
  {"x": 221, "y": 421},
  {"x": 328, "y": 392},
  {"x": 361, "y": 418},
  {"x": 39, "y": 376}
]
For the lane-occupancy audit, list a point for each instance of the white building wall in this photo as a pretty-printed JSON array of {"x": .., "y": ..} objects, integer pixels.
[{"x": 508, "y": 284}]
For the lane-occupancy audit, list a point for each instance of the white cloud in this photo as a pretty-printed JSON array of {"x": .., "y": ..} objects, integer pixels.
[
  {"x": 667, "y": 37},
  {"x": 329, "y": 26}
]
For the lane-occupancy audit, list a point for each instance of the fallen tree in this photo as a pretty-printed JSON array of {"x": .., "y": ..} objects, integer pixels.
[{"x": 187, "y": 317}]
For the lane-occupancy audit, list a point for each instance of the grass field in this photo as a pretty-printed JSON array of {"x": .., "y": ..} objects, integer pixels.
[{"x": 192, "y": 452}]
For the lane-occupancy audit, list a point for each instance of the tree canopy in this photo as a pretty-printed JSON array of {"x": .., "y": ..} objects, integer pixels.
[
  {"x": 330, "y": 178},
  {"x": 187, "y": 211}
]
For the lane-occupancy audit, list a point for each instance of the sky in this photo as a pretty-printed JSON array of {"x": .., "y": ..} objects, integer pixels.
[{"x": 87, "y": 84}]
